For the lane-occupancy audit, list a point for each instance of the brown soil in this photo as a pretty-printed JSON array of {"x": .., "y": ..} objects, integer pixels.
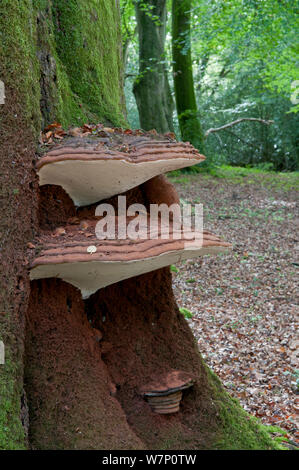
[{"x": 245, "y": 303}]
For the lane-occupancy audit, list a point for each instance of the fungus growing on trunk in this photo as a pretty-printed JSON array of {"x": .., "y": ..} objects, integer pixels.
[
  {"x": 164, "y": 395},
  {"x": 90, "y": 170},
  {"x": 90, "y": 359},
  {"x": 89, "y": 264}
]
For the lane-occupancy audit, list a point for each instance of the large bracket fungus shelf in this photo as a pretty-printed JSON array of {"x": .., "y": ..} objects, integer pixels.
[
  {"x": 91, "y": 170},
  {"x": 90, "y": 264}
]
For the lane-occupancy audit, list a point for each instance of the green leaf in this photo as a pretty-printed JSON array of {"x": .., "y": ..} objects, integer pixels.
[{"x": 187, "y": 314}]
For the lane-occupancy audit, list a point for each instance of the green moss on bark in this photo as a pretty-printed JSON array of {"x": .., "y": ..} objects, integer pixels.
[
  {"x": 190, "y": 126},
  {"x": 19, "y": 68},
  {"x": 65, "y": 58},
  {"x": 91, "y": 54},
  {"x": 11, "y": 430}
]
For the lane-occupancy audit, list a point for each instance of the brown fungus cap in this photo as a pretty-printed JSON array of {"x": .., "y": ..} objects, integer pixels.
[
  {"x": 77, "y": 256},
  {"x": 92, "y": 168},
  {"x": 166, "y": 384},
  {"x": 165, "y": 392}
]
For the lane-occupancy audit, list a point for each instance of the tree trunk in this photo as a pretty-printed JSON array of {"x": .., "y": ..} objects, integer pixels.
[
  {"x": 77, "y": 82},
  {"x": 183, "y": 75},
  {"x": 151, "y": 88},
  {"x": 65, "y": 384}
]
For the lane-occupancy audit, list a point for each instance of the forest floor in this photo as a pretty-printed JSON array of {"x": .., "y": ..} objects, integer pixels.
[{"x": 245, "y": 303}]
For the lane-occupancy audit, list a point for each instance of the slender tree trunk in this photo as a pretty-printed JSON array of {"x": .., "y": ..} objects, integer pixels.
[
  {"x": 183, "y": 76},
  {"x": 151, "y": 89}
]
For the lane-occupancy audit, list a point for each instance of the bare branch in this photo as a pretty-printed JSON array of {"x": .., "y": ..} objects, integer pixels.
[{"x": 233, "y": 123}]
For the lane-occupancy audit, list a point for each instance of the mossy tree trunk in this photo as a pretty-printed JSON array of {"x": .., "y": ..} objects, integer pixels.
[
  {"x": 183, "y": 75},
  {"x": 59, "y": 60},
  {"x": 151, "y": 88}
]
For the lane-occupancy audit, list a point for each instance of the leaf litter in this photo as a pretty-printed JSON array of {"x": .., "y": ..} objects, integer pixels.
[{"x": 245, "y": 303}]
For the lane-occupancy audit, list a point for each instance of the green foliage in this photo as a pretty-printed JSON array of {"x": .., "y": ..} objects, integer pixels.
[
  {"x": 128, "y": 20},
  {"x": 174, "y": 269},
  {"x": 285, "y": 181},
  {"x": 244, "y": 65},
  {"x": 257, "y": 32},
  {"x": 245, "y": 55},
  {"x": 187, "y": 314}
]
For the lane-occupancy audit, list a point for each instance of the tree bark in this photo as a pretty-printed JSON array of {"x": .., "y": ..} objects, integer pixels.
[
  {"x": 40, "y": 87},
  {"x": 183, "y": 75},
  {"x": 151, "y": 88}
]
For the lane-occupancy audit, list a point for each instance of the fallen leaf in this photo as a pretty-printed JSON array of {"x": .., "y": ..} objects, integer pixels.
[
  {"x": 59, "y": 231},
  {"x": 54, "y": 125},
  {"x": 75, "y": 132},
  {"x": 110, "y": 130}
]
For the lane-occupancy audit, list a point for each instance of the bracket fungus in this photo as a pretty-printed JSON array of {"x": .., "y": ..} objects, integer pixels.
[
  {"x": 164, "y": 395},
  {"x": 91, "y": 170},
  {"x": 123, "y": 335},
  {"x": 90, "y": 264}
]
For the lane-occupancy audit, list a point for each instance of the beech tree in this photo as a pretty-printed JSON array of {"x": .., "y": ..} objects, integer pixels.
[
  {"x": 183, "y": 75},
  {"x": 151, "y": 87}
]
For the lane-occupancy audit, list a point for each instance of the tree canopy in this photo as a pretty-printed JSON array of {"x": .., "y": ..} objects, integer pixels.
[{"x": 244, "y": 63}]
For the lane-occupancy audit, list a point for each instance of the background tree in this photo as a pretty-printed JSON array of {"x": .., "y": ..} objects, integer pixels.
[
  {"x": 244, "y": 57},
  {"x": 183, "y": 74},
  {"x": 151, "y": 87}
]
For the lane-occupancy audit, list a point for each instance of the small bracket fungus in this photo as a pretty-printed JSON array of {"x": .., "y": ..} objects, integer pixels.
[
  {"x": 92, "y": 264},
  {"x": 164, "y": 395},
  {"x": 90, "y": 172}
]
